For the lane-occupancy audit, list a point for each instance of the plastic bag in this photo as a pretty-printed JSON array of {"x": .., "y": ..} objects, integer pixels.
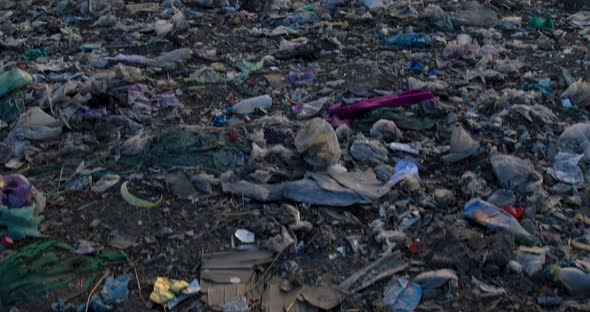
[
  {"x": 579, "y": 93},
  {"x": 476, "y": 14},
  {"x": 567, "y": 169},
  {"x": 576, "y": 139},
  {"x": 435, "y": 283},
  {"x": 437, "y": 17},
  {"x": 11, "y": 101},
  {"x": 409, "y": 40},
  {"x": 542, "y": 23},
  {"x": 318, "y": 141},
  {"x": 532, "y": 260},
  {"x": 404, "y": 169},
  {"x": 357, "y": 109},
  {"x": 402, "y": 296},
  {"x": 515, "y": 173},
  {"x": 462, "y": 145}
]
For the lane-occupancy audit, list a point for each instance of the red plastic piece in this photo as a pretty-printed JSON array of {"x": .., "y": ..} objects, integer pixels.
[
  {"x": 414, "y": 248},
  {"x": 6, "y": 242},
  {"x": 516, "y": 212}
]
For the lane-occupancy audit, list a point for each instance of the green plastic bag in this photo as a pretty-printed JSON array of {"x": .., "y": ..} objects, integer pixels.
[
  {"x": 542, "y": 24},
  {"x": 12, "y": 101},
  {"x": 13, "y": 80}
]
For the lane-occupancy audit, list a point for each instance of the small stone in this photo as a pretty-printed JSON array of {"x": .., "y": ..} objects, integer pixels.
[
  {"x": 368, "y": 151},
  {"x": 286, "y": 286},
  {"x": 385, "y": 130},
  {"x": 574, "y": 200},
  {"x": 529, "y": 225},
  {"x": 383, "y": 172},
  {"x": 178, "y": 237},
  {"x": 444, "y": 197},
  {"x": 410, "y": 184},
  {"x": 121, "y": 242},
  {"x": 166, "y": 231},
  {"x": 201, "y": 183},
  {"x": 94, "y": 223},
  {"x": 514, "y": 267}
]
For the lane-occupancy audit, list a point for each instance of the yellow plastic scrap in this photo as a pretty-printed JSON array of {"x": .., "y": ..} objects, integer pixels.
[
  {"x": 179, "y": 287},
  {"x": 166, "y": 290},
  {"x": 136, "y": 201}
]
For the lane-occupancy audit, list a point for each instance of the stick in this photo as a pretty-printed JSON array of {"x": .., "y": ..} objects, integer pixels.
[
  {"x": 87, "y": 205},
  {"x": 60, "y": 175},
  {"x": 136, "y": 276},
  {"x": 106, "y": 273}
]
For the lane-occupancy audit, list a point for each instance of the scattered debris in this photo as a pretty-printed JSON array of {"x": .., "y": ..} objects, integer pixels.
[{"x": 294, "y": 155}]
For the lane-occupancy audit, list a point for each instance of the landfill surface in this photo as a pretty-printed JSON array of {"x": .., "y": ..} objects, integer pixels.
[{"x": 286, "y": 155}]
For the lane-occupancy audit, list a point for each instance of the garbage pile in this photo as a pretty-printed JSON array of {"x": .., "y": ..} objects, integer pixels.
[{"x": 287, "y": 155}]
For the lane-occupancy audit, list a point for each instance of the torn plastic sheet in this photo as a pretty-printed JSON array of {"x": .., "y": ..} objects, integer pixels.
[{"x": 340, "y": 189}]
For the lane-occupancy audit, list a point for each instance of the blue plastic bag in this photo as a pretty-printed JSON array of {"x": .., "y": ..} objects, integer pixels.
[
  {"x": 405, "y": 168},
  {"x": 409, "y": 40},
  {"x": 402, "y": 296}
]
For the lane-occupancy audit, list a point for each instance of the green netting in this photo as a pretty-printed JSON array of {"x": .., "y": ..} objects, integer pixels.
[
  {"x": 402, "y": 119},
  {"x": 11, "y": 106},
  {"x": 38, "y": 269},
  {"x": 177, "y": 147}
]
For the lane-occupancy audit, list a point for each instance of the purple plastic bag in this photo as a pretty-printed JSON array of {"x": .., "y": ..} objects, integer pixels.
[
  {"x": 300, "y": 79},
  {"x": 357, "y": 109},
  {"x": 86, "y": 113},
  {"x": 85, "y": 250},
  {"x": 139, "y": 94},
  {"x": 15, "y": 191},
  {"x": 169, "y": 99}
]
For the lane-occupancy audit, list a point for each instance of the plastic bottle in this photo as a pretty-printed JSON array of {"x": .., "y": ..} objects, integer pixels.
[
  {"x": 549, "y": 301},
  {"x": 248, "y": 106},
  {"x": 575, "y": 280},
  {"x": 495, "y": 219},
  {"x": 310, "y": 109}
]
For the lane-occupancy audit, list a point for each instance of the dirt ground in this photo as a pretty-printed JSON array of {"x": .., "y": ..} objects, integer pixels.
[{"x": 169, "y": 240}]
